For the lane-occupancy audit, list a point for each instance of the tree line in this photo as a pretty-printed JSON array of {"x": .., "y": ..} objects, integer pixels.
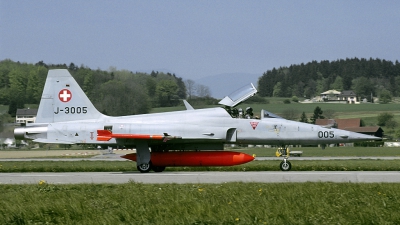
[
  {"x": 122, "y": 92},
  {"x": 113, "y": 92},
  {"x": 366, "y": 77}
]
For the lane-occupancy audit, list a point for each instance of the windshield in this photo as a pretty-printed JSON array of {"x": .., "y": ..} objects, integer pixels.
[{"x": 265, "y": 115}]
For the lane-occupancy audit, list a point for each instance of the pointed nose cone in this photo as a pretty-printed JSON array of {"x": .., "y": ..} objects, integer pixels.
[{"x": 353, "y": 136}]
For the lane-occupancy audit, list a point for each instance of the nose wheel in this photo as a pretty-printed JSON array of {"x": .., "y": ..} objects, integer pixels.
[{"x": 285, "y": 164}]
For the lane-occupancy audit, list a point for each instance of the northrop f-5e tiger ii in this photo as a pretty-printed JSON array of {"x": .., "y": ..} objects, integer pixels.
[{"x": 192, "y": 137}]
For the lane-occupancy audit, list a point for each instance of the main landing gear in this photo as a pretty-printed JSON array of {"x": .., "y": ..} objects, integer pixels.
[
  {"x": 143, "y": 161},
  {"x": 146, "y": 167},
  {"x": 285, "y": 164}
]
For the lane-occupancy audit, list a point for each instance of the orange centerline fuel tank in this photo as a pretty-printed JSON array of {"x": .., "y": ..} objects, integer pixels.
[{"x": 203, "y": 158}]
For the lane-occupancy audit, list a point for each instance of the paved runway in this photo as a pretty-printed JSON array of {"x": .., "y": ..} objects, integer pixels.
[{"x": 202, "y": 177}]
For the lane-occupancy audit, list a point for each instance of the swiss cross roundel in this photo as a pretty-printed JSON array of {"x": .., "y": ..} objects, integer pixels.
[{"x": 65, "y": 95}]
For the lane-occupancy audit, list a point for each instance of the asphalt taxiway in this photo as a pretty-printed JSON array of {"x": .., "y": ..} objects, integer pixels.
[{"x": 202, "y": 177}]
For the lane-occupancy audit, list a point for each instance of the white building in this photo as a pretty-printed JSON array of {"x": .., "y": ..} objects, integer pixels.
[
  {"x": 339, "y": 97},
  {"x": 25, "y": 116},
  {"x": 331, "y": 95}
]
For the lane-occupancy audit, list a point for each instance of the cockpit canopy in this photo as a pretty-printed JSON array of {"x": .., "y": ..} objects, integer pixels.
[{"x": 239, "y": 96}]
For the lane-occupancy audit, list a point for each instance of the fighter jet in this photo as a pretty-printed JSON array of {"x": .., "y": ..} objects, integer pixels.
[{"x": 192, "y": 137}]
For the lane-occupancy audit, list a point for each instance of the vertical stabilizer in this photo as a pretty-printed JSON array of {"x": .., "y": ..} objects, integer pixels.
[{"x": 64, "y": 100}]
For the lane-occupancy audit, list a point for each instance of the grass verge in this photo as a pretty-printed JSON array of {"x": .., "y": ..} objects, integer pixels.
[
  {"x": 268, "y": 165},
  {"x": 229, "y": 203},
  {"x": 328, "y": 151}
]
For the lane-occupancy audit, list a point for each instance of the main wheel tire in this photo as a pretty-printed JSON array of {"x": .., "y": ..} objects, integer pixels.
[
  {"x": 158, "y": 169},
  {"x": 144, "y": 168},
  {"x": 285, "y": 165}
]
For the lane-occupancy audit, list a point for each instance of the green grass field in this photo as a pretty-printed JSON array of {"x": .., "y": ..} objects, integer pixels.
[
  {"x": 228, "y": 203},
  {"x": 267, "y": 165}
]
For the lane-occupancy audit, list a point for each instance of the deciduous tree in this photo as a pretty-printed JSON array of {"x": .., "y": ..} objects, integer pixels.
[{"x": 383, "y": 118}]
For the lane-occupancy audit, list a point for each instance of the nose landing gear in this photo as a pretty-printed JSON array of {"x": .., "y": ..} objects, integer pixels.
[{"x": 285, "y": 164}]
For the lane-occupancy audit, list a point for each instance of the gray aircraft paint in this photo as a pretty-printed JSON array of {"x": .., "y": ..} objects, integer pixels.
[{"x": 67, "y": 116}]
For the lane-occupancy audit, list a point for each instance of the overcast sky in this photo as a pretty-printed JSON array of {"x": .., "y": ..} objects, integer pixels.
[{"x": 195, "y": 39}]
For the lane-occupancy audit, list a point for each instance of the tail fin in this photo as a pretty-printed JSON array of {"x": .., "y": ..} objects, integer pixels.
[{"x": 63, "y": 100}]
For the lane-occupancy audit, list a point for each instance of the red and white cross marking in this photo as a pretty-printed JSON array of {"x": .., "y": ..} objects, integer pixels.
[{"x": 65, "y": 95}]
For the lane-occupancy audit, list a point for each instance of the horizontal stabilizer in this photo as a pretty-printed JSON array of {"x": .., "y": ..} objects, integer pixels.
[{"x": 106, "y": 135}]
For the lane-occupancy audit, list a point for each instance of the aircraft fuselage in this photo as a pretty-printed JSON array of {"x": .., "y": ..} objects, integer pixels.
[{"x": 200, "y": 129}]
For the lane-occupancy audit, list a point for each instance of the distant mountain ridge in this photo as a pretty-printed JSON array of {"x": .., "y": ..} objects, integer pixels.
[{"x": 222, "y": 85}]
